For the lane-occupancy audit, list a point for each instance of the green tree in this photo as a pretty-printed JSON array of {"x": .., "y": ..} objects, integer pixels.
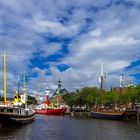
[
  {"x": 31, "y": 100},
  {"x": 110, "y": 98},
  {"x": 86, "y": 96},
  {"x": 1, "y": 98},
  {"x": 91, "y": 95}
]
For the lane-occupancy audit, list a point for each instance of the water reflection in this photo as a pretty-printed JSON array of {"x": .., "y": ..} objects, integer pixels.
[
  {"x": 16, "y": 132},
  {"x": 65, "y": 128}
]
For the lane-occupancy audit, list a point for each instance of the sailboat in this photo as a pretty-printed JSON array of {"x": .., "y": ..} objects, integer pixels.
[
  {"x": 48, "y": 108},
  {"x": 100, "y": 112},
  {"x": 17, "y": 112}
]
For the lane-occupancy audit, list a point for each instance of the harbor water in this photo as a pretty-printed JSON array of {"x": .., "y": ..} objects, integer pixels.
[{"x": 68, "y": 128}]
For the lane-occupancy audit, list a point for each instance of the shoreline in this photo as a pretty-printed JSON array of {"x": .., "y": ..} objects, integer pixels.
[{"x": 85, "y": 115}]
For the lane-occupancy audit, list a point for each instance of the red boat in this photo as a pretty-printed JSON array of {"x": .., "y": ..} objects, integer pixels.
[
  {"x": 55, "y": 111},
  {"x": 46, "y": 109}
]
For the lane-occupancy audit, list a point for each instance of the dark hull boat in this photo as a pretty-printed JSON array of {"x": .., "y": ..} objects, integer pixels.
[
  {"x": 116, "y": 115},
  {"x": 17, "y": 119},
  {"x": 15, "y": 115},
  {"x": 106, "y": 114},
  {"x": 55, "y": 111},
  {"x": 17, "y": 111}
]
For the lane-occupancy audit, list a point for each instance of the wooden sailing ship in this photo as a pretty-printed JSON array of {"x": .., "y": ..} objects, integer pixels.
[
  {"x": 100, "y": 112},
  {"x": 17, "y": 112}
]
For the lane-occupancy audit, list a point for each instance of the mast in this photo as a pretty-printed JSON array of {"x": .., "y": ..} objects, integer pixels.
[
  {"x": 4, "y": 76},
  {"x": 18, "y": 86},
  {"x": 39, "y": 93},
  {"x": 24, "y": 84},
  {"x": 121, "y": 83},
  {"x": 101, "y": 84},
  {"x": 24, "y": 89},
  {"x": 101, "y": 89},
  {"x": 57, "y": 101}
]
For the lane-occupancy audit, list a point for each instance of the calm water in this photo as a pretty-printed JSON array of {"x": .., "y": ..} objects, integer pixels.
[{"x": 66, "y": 128}]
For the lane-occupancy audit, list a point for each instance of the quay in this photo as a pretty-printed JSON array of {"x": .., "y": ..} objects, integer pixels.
[
  {"x": 130, "y": 115},
  {"x": 79, "y": 114}
]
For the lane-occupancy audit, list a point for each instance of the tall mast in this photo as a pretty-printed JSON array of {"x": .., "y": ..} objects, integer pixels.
[
  {"x": 4, "y": 76},
  {"x": 18, "y": 85},
  {"x": 121, "y": 82},
  {"x": 101, "y": 85},
  {"x": 25, "y": 88},
  {"x": 39, "y": 93},
  {"x": 24, "y": 84}
]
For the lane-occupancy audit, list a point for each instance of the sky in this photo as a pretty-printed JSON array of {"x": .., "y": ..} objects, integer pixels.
[{"x": 68, "y": 40}]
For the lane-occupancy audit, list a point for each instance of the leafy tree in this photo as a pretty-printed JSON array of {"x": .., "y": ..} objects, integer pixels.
[
  {"x": 85, "y": 96},
  {"x": 1, "y": 98},
  {"x": 31, "y": 100},
  {"x": 91, "y": 95},
  {"x": 110, "y": 98}
]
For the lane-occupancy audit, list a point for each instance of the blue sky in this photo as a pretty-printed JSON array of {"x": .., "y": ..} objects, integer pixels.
[{"x": 68, "y": 40}]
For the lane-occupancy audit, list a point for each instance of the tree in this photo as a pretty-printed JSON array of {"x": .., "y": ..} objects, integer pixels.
[
  {"x": 31, "y": 100},
  {"x": 85, "y": 96},
  {"x": 90, "y": 96},
  {"x": 1, "y": 98},
  {"x": 110, "y": 98}
]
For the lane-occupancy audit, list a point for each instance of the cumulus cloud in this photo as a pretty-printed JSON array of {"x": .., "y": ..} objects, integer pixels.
[{"x": 79, "y": 34}]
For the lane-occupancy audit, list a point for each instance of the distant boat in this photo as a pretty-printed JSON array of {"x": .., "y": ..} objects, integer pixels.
[
  {"x": 54, "y": 111},
  {"x": 47, "y": 109},
  {"x": 111, "y": 115},
  {"x": 102, "y": 113},
  {"x": 17, "y": 112}
]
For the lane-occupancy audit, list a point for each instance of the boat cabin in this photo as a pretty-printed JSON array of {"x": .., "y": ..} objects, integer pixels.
[{"x": 14, "y": 110}]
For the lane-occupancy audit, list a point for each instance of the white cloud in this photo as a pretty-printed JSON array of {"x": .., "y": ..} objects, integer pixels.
[
  {"x": 100, "y": 31},
  {"x": 51, "y": 48},
  {"x": 54, "y": 27},
  {"x": 95, "y": 33}
]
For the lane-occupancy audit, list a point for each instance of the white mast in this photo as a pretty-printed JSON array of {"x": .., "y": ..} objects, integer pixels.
[
  {"x": 101, "y": 84},
  {"x": 121, "y": 81},
  {"x": 102, "y": 69}
]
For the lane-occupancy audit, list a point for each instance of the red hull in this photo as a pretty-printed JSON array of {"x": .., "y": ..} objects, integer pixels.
[{"x": 58, "y": 111}]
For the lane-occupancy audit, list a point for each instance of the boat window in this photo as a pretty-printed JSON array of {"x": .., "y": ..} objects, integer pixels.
[
  {"x": 1, "y": 110},
  {"x": 10, "y": 110},
  {"x": 5, "y": 110},
  {"x": 27, "y": 113},
  {"x": 18, "y": 111}
]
